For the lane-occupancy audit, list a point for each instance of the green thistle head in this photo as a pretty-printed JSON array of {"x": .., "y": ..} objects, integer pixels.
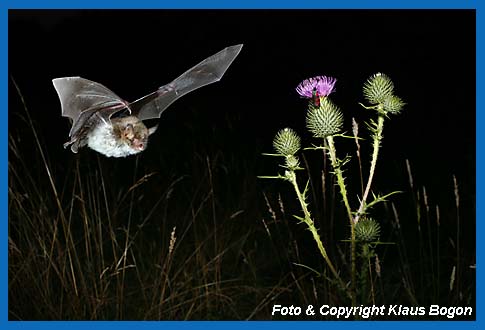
[
  {"x": 377, "y": 88},
  {"x": 286, "y": 142},
  {"x": 292, "y": 162},
  {"x": 325, "y": 120},
  {"x": 367, "y": 230},
  {"x": 393, "y": 104}
]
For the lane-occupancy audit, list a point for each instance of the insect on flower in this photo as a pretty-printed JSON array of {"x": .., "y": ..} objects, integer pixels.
[
  {"x": 316, "y": 88},
  {"x": 315, "y": 98}
]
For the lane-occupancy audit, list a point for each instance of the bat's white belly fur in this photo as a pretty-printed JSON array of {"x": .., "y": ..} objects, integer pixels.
[{"x": 102, "y": 139}]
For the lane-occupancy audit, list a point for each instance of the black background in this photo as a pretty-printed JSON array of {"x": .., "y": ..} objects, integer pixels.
[{"x": 429, "y": 54}]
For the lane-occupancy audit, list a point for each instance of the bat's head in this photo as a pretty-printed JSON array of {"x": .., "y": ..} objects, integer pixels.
[
  {"x": 119, "y": 136},
  {"x": 132, "y": 132}
]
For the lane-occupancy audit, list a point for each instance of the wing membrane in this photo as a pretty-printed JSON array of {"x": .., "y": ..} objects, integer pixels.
[{"x": 206, "y": 72}]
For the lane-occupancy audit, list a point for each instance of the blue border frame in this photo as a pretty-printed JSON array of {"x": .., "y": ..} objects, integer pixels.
[{"x": 255, "y": 4}]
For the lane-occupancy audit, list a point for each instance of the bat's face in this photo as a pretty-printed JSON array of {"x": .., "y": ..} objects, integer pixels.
[{"x": 119, "y": 137}]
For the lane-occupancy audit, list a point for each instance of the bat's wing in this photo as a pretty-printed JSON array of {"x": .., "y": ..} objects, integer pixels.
[
  {"x": 206, "y": 72},
  {"x": 81, "y": 98}
]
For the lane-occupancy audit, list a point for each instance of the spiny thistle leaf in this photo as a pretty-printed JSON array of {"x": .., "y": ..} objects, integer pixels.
[
  {"x": 305, "y": 191},
  {"x": 279, "y": 176},
  {"x": 377, "y": 88},
  {"x": 300, "y": 219},
  {"x": 325, "y": 120},
  {"x": 379, "y": 199},
  {"x": 342, "y": 162}
]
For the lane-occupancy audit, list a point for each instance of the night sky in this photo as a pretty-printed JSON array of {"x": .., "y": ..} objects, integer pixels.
[{"x": 429, "y": 54}]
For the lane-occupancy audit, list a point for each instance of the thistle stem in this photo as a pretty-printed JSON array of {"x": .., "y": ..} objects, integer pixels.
[
  {"x": 291, "y": 176},
  {"x": 376, "y": 144},
  {"x": 343, "y": 191},
  {"x": 339, "y": 174}
]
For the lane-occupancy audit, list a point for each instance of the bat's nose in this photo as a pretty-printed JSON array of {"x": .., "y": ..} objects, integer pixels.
[{"x": 139, "y": 145}]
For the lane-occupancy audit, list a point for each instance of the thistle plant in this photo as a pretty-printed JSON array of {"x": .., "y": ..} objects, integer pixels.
[
  {"x": 379, "y": 92},
  {"x": 286, "y": 144},
  {"x": 324, "y": 120}
]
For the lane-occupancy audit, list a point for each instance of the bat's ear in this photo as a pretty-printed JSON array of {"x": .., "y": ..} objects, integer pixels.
[{"x": 152, "y": 130}]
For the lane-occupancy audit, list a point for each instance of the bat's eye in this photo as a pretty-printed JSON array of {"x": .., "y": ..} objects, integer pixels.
[{"x": 129, "y": 133}]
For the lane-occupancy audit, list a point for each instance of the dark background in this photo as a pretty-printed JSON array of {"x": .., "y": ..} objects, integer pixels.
[{"x": 429, "y": 54}]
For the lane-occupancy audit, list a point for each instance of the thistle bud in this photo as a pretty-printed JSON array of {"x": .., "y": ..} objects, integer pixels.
[
  {"x": 393, "y": 104},
  {"x": 286, "y": 142},
  {"x": 367, "y": 230},
  {"x": 292, "y": 162},
  {"x": 377, "y": 88}
]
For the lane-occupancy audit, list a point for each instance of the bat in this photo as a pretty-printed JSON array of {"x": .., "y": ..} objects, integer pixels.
[{"x": 114, "y": 127}]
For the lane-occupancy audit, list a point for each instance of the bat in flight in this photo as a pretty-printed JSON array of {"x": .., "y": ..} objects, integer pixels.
[{"x": 114, "y": 127}]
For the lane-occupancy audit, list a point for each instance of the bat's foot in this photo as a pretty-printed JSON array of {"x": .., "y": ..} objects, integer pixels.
[
  {"x": 67, "y": 144},
  {"x": 74, "y": 145}
]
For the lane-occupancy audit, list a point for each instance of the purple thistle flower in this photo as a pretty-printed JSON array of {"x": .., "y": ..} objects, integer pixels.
[{"x": 321, "y": 85}]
